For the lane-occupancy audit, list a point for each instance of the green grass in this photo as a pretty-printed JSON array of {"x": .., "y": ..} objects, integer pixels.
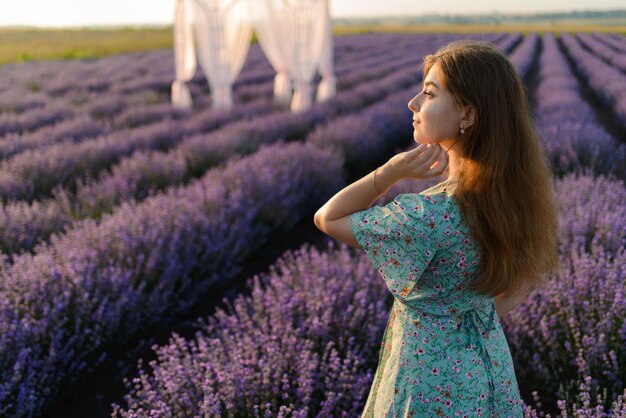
[{"x": 19, "y": 45}]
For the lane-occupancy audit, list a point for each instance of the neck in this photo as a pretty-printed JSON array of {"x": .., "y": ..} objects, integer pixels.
[{"x": 454, "y": 158}]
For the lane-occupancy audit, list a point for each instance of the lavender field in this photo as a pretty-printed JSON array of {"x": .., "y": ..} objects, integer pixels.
[{"x": 164, "y": 263}]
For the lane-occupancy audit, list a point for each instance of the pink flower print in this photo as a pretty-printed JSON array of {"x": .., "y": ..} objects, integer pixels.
[
  {"x": 438, "y": 388},
  {"x": 482, "y": 396},
  {"x": 435, "y": 371},
  {"x": 468, "y": 375},
  {"x": 420, "y": 351},
  {"x": 425, "y": 340},
  {"x": 448, "y": 403}
]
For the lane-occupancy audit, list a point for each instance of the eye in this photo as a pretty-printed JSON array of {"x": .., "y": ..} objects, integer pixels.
[{"x": 426, "y": 92}]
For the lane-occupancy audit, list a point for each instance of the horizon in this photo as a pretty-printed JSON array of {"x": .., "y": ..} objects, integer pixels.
[{"x": 116, "y": 13}]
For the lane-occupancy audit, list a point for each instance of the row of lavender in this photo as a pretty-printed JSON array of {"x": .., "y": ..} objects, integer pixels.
[
  {"x": 564, "y": 116},
  {"x": 80, "y": 115},
  {"x": 18, "y": 183},
  {"x": 118, "y": 109},
  {"x": 159, "y": 156},
  {"x": 569, "y": 356},
  {"x": 21, "y": 86},
  {"x": 313, "y": 305},
  {"x": 92, "y": 290},
  {"x": 607, "y": 81}
]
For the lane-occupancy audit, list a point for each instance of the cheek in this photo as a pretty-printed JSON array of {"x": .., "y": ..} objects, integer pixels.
[{"x": 439, "y": 121}]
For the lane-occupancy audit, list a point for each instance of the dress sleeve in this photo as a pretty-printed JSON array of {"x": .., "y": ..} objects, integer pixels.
[{"x": 399, "y": 238}]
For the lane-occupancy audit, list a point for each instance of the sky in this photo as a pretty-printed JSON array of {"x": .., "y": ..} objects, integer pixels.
[{"x": 59, "y": 13}]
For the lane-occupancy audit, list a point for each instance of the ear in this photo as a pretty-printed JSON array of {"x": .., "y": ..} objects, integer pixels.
[{"x": 468, "y": 116}]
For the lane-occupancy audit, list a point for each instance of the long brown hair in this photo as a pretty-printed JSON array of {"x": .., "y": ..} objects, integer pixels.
[{"x": 505, "y": 187}]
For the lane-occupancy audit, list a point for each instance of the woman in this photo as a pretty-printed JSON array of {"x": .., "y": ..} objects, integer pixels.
[{"x": 458, "y": 256}]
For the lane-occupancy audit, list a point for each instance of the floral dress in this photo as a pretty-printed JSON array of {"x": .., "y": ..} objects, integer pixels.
[{"x": 443, "y": 353}]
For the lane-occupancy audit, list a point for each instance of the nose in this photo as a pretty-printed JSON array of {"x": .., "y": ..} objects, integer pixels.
[{"x": 414, "y": 104}]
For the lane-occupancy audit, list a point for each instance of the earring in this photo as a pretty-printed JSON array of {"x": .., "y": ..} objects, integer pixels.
[{"x": 462, "y": 130}]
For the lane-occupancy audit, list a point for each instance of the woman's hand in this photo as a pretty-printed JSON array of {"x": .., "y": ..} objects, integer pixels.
[{"x": 423, "y": 162}]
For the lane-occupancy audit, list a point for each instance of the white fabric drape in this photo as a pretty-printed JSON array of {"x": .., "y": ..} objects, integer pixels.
[
  {"x": 295, "y": 35},
  {"x": 292, "y": 36},
  {"x": 328, "y": 86},
  {"x": 309, "y": 24},
  {"x": 223, "y": 36},
  {"x": 184, "y": 55},
  {"x": 273, "y": 31}
]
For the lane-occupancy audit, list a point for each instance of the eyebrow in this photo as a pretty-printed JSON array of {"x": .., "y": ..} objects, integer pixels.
[{"x": 430, "y": 83}]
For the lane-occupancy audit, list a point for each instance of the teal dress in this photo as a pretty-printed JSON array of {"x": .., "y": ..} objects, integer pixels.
[{"x": 443, "y": 353}]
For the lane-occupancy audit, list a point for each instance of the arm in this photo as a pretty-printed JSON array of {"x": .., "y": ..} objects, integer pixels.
[{"x": 333, "y": 217}]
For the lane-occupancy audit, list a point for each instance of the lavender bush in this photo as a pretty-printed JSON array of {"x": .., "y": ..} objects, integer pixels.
[
  {"x": 303, "y": 344},
  {"x": 573, "y": 331},
  {"x": 586, "y": 407}
]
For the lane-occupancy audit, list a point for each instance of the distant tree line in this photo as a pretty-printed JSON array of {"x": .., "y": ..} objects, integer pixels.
[{"x": 608, "y": 16}]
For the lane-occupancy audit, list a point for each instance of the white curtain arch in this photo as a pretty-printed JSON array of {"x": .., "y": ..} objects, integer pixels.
[
  {"x": 295, "y": 35},
  {"x": 184, "y": 54}
]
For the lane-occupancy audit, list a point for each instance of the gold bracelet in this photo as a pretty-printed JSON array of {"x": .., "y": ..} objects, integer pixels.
[{"x": 379, "y": 192}]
